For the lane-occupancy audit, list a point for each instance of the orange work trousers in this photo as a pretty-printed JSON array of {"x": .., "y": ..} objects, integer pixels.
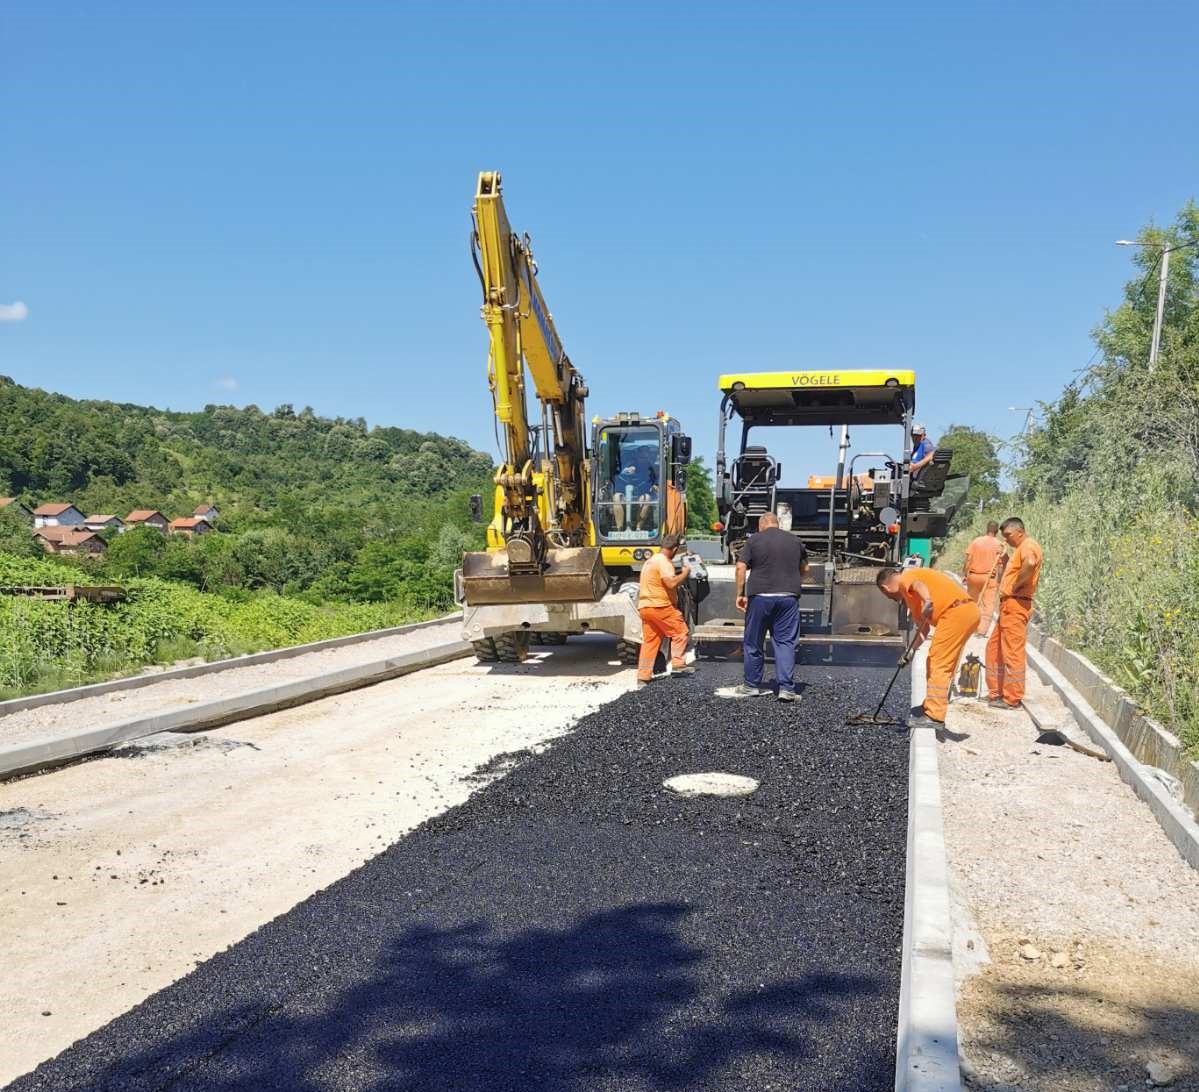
[
  {"x": 658, "y": 624},
  {"x": 956, "y": 627},
  {"x": 982, "y": 589},
  {"x": 1006, "y": 659}
]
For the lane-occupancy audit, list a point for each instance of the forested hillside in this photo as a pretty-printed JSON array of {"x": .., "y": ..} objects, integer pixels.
[
  {"x": 321, "y": 507},
  {"x": 111, "y": 457}
]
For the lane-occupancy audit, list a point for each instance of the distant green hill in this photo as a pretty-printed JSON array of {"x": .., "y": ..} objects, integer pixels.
[
  {"x": 322, "y": 509},
  {"x": 113, "y": 457}
]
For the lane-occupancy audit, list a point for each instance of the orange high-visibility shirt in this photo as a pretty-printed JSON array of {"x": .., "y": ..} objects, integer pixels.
[
  {"x": 1023, "y": 571},
  {"x": 981, "y": 555},
  {"x": 944, "y": 591},
  {"x": 653, "y": 591}
]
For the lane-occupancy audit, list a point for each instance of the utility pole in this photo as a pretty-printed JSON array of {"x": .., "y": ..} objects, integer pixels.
[{"x": 1162, "y": 281}]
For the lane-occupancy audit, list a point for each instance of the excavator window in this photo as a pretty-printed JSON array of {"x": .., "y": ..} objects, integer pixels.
[{"x": 629, "y": 477}]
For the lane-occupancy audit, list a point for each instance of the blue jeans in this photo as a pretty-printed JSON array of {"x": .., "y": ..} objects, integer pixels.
[{"x": 778, "y": 614}]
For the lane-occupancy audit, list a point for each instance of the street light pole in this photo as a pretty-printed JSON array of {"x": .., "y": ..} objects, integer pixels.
[
  {"x": 1027, "y": 419},
  {"x": 1162, "y": 281}
]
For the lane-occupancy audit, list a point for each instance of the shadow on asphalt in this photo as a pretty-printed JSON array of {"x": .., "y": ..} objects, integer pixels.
[{"x": 618, "y": 1001}]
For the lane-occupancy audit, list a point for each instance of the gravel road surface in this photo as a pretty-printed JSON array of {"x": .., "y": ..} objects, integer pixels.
[
  {"x": 573, "y": 926},
  {"x": 54, "y": 720},
  {"x": 1082, "y": 919}
]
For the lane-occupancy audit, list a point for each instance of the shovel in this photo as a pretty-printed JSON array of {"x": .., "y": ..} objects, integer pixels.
[{"x": 875, "y": 718}]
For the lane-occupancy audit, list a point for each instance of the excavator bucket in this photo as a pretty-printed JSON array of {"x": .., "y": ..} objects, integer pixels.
[{"x": 572, "y": 575}]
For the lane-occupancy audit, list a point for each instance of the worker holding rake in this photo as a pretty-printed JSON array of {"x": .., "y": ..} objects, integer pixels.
[{"x": 935, "y": 600}]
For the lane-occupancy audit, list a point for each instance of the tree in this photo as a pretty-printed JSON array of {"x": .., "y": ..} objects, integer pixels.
[
  {"x": 16, "y": 536},
  {"x": 974, "y": 453},
  {"x": 136, "y": 552},
  {"x": 701, "y": 501}
]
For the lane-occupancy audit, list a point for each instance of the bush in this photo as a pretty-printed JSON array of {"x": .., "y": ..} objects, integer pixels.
[{"x": 46, "y": 644}]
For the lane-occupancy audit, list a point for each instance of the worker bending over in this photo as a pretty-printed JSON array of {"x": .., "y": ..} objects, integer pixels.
[
  {"x": 661, "y": 619},
  {"x": 776, "y": 562},
  {"x": 981, "y": 573},
  {"x": 933, "y": 599},
  {"x": 1006, "y": 661}
]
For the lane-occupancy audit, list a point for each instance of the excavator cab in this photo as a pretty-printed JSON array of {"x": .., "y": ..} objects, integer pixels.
[{"x": 638, "y": 485}]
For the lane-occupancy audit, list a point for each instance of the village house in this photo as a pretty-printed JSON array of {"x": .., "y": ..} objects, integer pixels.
[
  {"x": 57, "y": 515},
  {"x": 15, "y": 505},
  {"x": 104, "y": 523},
  {"x": 208, "y": 513},
  {"x": 189, "y": 527},
  {"x": 147, "y": 517},
  {"x": 70, "y": 540}
]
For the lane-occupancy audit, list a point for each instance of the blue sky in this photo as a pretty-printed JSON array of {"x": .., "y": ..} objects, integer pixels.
[{"x": 269, "y": 202}]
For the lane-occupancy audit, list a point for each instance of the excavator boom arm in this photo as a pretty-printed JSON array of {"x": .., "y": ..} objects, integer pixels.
[{"x": 523, "y": 337}]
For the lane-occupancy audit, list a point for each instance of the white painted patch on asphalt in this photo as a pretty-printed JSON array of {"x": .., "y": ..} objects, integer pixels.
[{"x": 711, "y": 784}]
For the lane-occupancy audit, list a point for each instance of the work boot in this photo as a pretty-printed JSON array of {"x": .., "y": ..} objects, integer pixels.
[
  {"x": 675, "y": 671},
  {"x": 741, "y": 691},
  {"x": 999, "y": 703},
  {"x": 923, "y": 720},
  {"x": 788, "y": 695}
]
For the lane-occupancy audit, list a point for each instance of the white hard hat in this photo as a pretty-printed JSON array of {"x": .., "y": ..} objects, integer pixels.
[{"x": 919, "y": 429}]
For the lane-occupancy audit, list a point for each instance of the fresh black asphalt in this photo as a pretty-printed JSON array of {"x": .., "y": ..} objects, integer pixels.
[{"x": 574, "y": 927}]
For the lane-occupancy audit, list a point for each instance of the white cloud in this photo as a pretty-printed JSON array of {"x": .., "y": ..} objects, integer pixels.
[
  {"x": 228, "y": 383},
  {"x": 13, "y": 312}
]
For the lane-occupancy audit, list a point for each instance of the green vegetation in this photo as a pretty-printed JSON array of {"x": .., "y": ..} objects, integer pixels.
[
  {"x": 976, "y": 454},
  {"x": 327, "y": 528},
  {"x": 310, "y": 506},
  {"x": 47, "y": 645},
  {"x": 701, "y": 501},
  {"x": 1108, "y": 483}
]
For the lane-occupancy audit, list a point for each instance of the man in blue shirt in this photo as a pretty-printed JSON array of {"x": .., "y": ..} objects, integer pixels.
[
  {"x": 923, "y": 450},
  {"x": 636, "y": 479}
]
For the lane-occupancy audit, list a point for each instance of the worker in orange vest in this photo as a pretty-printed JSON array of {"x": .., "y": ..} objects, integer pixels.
[
  {"x": 1006, "y": 661},
  {"x": 933, "y": 599},
  {"x": 981, "y": 573},
  {"x": 661, "y": 619}
]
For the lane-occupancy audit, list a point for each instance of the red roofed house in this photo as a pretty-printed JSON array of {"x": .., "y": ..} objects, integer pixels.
[
  {"x": 190, "y": 526},
  {"x": 15, "y": 505},
  {"x": 69, "y": 540},
  {"x": 208, "y": 513},
  {"x": 104, "y": 523},
  {"x": 146, "y": 517},
  {"x": 57, "y": 515}
]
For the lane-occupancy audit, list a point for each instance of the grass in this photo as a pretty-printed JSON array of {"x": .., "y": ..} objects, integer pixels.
[{"x": 1120, "y": 586}]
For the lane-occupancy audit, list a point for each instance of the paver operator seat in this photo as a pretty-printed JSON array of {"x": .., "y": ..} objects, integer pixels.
[{"x": 755, "y": 477}]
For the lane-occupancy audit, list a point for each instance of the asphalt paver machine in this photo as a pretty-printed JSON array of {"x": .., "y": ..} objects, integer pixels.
[{"x": 864, "y": 516}]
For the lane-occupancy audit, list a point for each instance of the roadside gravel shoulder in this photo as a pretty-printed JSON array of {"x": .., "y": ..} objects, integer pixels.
[
  {"x": 52, "y": 720},
  {"x": 1088, "y": 915}
]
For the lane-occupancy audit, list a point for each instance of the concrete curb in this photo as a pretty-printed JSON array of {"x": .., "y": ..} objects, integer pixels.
[
  {"x": 23, "y": 758},
  {"x": 136, "y": 682},
  {"x": 1149, "y": 741},
  {"x": 926, "y": 1048},
  {"x": 1179, "y": 825}
]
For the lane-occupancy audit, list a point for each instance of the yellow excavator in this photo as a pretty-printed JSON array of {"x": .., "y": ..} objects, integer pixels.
[{"x": 571, "y": 528}]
